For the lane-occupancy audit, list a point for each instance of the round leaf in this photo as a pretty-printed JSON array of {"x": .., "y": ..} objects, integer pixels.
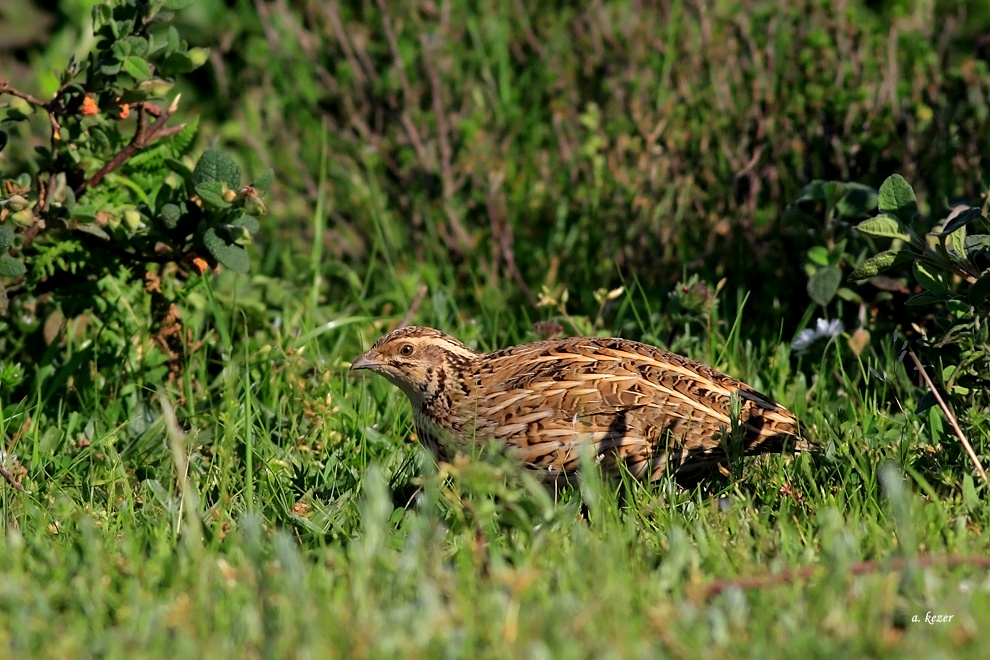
[
  {"x": 216, "y": 165},
  {"x": 824, "y": 284},
  {"x": 229, "y": 254},
  {"x": 10, "y": 267},
  {"x": 897, "y": 198}
]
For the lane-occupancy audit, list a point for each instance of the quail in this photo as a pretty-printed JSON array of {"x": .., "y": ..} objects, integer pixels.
[{"x": 636, "y": 405}]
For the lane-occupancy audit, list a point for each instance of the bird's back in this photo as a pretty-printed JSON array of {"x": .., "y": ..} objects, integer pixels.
[{"x": 637, "y": 404}]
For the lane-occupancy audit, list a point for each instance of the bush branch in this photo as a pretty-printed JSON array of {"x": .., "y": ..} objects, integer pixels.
[
  {"x": 142, "y": 136},
  {"x": 951, "y": 417},
  {"x": 5, "y": 88}
]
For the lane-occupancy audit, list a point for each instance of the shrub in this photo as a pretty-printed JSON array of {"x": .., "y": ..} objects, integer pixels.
[{"x": 108, "y": 221}]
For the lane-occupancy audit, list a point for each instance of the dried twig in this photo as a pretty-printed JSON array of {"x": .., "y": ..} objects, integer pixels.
[
  {"x": 400, "y": 68},
  {"x": 360, "y": 74},
  {"x": 502, "y": 233},
  {"x": 414, "y": 307},
  {"x": 5, "y": 88},
  {"x": 443, "y": 124},
  {"x": 463, "y": 238},
  {"x": 859, "y": 568},
  {"x": 142, "y": 136},
  {"x": 951, "y": 417},
  {"x": 9, "y": 478}
]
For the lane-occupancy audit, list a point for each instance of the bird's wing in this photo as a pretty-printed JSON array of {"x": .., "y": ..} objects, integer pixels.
[{"x": 633, "y": 402}]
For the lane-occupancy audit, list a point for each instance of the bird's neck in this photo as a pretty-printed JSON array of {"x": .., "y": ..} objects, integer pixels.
[{"x": 442, "y": 391}]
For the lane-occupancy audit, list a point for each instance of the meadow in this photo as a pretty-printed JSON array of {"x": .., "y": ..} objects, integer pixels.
[{"x": 191, "y": 470}]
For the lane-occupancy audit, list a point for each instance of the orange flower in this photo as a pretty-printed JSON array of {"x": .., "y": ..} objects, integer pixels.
[
  {"x": 89, "y": 106},
  {"x": 199, "y": 265},
  {"x": 125, "y": 111}
]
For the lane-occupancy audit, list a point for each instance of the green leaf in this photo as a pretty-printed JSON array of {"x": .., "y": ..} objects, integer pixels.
[
  {"x": 849, "y": 295},
  {"x": 216, "y": 165},
  {"x": 881, "y": 262},
  {"x": 238, "y": 235},
  {"x": 172, "y": 40},
  {"x": 137, "y": 67},
  {"x": 818, "y": 255},
  {"x": 925, "y": 402},
  {"x": 976, "y": 243},
  {"x": 102, "y": 14},
  {"x": 182, "y": 140},
  {"x": 110, "y": 67},
  {"x": 979, "y": 291},
  {"x": 14, "y": 115},
  {"x": 897, "y": 198},
  {"x": 10, "y": 267},
  {"x": 924, "y": 298},
  {"x": 858, "y": 201},
  {"x": 124, "y": 27},
  {"x": 930, "y": 278},
  {"x": 6, "y": 236},
  {"x": 970, "y": 498},
  {"x": 885, "y": 226},
  {"x": 176, "y": 64},
  {"x": 823, "y": 285},
  {"x": 176, "y": 5},
  {"x": 264, "y": 181},
  {"x": 70, "y": 200},
  {"x": 229, "y": 254},
  {"x": 120, "y": 49},
  {"x": 813, "y": 192},
  {"x": 833, "y": 190},
  {"x": 961, "y": 220},
  {"x": 955, "y": 243},
  {"x": 248, "y": 222},
  {"x": 98, "y": 138},
  {"x": 794, "y": 215},
  {"x": 163, "y": 17},
  {"x": 211, "y": 192},
  {"x": 92, "y": 229},
  {"x": 170, "y": 215},
  {"x": 179, "y": 168},
  {"x": 138, "y": 45}
]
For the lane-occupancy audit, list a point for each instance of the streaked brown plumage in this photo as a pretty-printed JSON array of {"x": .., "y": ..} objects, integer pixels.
[{"x": 639, "y": 405}]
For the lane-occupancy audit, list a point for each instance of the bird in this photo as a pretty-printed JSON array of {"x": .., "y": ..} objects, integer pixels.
[{"x": 633, "y": 404}]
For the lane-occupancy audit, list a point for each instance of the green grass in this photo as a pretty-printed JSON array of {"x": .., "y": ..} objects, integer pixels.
[
  {"x": 289, "y": 516},
  {"x": 267, "y": 503}
]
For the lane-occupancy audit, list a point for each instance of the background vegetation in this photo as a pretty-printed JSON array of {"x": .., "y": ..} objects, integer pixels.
[{"x": 192, "y": 471}]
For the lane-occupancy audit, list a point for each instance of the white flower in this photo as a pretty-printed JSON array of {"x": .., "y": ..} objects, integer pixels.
[{"x": 823, "y": 330}]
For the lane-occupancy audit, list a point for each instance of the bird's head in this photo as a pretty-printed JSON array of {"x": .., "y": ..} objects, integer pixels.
[{"x": 419, "y": 361}]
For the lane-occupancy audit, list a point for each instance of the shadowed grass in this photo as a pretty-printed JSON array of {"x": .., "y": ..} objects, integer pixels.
[
  {"x": 293, "y": 517},
  {"x": 266, "y": 503}
]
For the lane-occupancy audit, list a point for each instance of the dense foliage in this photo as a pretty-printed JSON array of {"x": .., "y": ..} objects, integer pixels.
[{"x": 794, "y": 193}]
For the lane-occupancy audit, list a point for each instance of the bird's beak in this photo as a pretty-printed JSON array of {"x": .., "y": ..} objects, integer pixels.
[{"x": 365, "y": 362}]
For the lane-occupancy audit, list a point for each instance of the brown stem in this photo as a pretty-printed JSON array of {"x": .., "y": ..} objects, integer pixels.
[
  {"x": 414, "y": 307},
  {"x": 5, "y": 88},
  {"x": 10, "y": 479},
  {"x": 142, "y": 136},
  {"x": 951, "y": 417},
  {"x": 860, "y": 568},
  {"x": 502, "y": 233}
]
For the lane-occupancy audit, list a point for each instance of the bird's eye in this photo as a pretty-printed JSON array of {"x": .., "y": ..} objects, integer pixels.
[{"x": 407, "y": 349}]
